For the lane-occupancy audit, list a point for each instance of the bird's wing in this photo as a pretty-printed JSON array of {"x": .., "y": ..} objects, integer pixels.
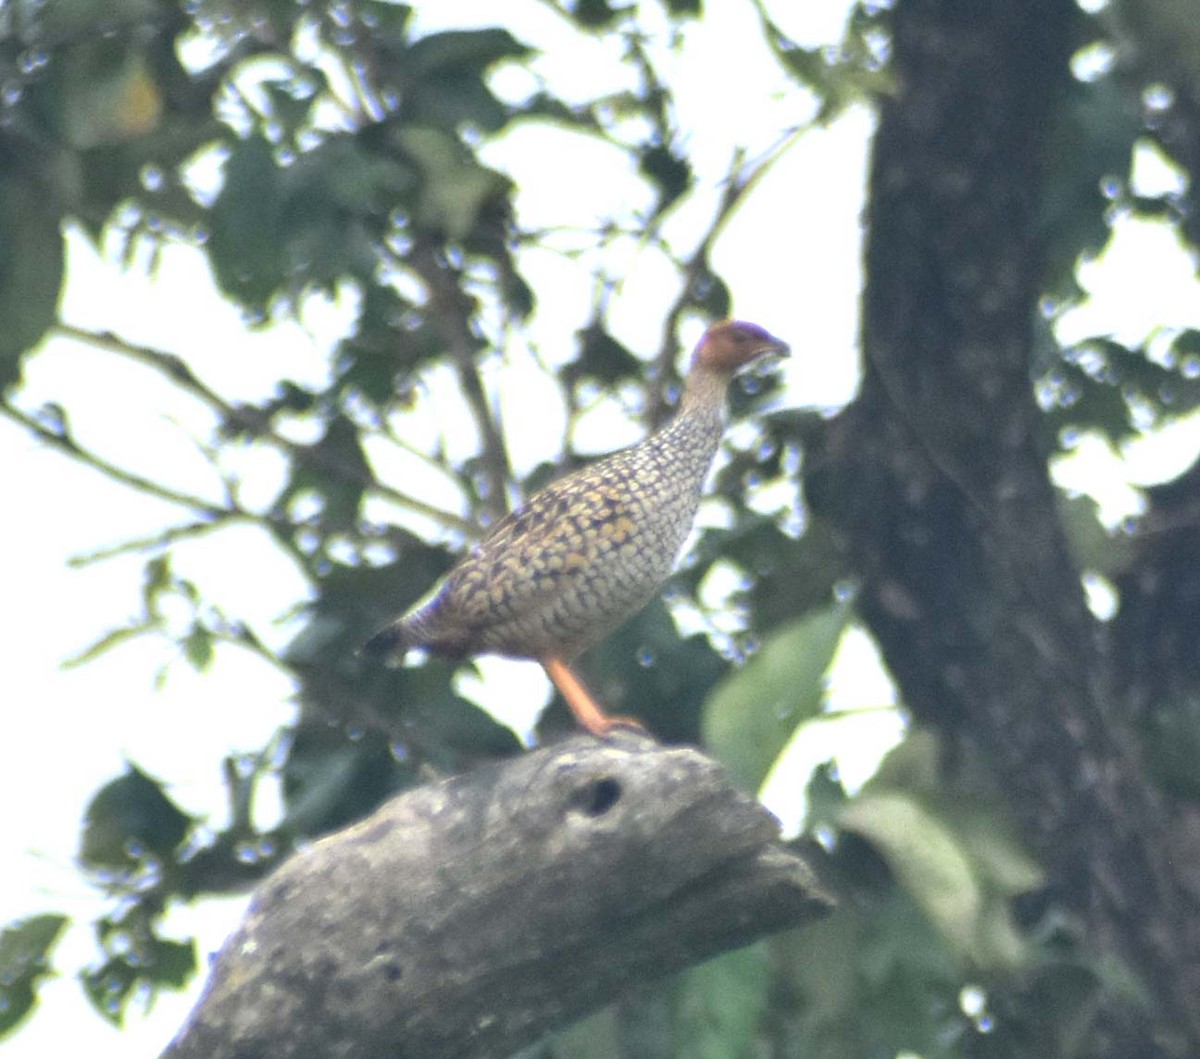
[{"x": 525, "y": 556}]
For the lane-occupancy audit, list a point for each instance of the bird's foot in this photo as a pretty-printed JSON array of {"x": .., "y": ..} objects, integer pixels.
[
  {"x": 581, "y": 704},
  {"x": 605, "y": 725}
]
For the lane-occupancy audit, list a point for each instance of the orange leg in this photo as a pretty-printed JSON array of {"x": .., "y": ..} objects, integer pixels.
[{"x": 580, "y": 702}]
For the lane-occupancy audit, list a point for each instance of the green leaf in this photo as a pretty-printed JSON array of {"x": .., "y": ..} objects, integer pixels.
[
  {"x": 128, "y": 818},
  {"x": 1103, "y": 385},
  {"x": 342, "y": 487},
  {"x": 926, "y": 857},
  {"x": 332, "y": 777},
  {"x": 198, "y": 648},
  {"x": 671, "y": 175},
  {"x": 789, "y": 578},
  {"x": 383, "y": 348},
  {"x": 472, "y": 49},
  {"x": 824, "y": 795},
  {"x": 752, "y": 713},
  {"x": 442, "y": 78},
  {"x": 720, "y": 1005},
  {"x": 343, "y": 174},
  {"x": 837, "y": 82},
  {"x": 821, "y": 963},
  {"x": 157, "y": 578},
  {"x": 24, "y": 959},
  {"x": 954, "y": 851},
  {"x": 601, "y": 357},
  {"x": 596, "y": 14},
  {"x": 711, "y": 293},
  {"x": 990, "y": 841},
  {"x": 997, "y": 944},
  {"x": 874, "y": 978},
  {"x": 458, "y": 731},
  {"x": 912, "y": 766},
  {"x": 247, "y": 216},
  {"x": 1095, "y": 125},
  {"x": 289, "y": 106},
  {"x": 138, "y": 961},
  {"x": 455, "y": 99},
  {"x": 82, "y": 20},
  {"x": 1095, "y": 405},
  {"x": 170, "y": 963},
  {"x": 390, "y": 20},
  {"x": 31, "y": 269},
  {"x": 108, "y": 988},
  {"x": 455, "y": 187}
]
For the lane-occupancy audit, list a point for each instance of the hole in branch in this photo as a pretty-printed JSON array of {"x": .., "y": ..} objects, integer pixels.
[{"x": 596, "y": 797}]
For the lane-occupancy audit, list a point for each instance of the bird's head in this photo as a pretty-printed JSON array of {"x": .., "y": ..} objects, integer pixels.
[{"x": 731, "y": 344}]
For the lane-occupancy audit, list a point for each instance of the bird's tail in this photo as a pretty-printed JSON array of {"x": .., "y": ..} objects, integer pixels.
[
  {"x": 421, "y": 628},
  {"x": 390, "y": 644}
]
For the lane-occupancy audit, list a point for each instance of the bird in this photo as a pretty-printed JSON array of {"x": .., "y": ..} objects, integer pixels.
[{"x": 589, "y": 550}]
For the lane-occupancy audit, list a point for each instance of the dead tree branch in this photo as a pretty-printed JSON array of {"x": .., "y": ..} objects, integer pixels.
[{"x": 465, "y": 918}]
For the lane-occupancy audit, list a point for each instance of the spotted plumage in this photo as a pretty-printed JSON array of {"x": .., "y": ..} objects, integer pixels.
[{"x": 591, "y": 549}]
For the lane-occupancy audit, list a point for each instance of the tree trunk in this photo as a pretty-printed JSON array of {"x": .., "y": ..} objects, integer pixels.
[
  {"x": 466, "y": 918},
  {"x": 939, "y": 480}
]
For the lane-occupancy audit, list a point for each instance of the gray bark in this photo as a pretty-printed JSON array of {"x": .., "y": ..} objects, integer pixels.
[{"x": 465, "y": 918}]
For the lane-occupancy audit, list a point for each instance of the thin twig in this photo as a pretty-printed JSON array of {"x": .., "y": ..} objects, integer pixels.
[
  {"x": 742, "y": 178},
  {"x": 169, "y": 364},
  {"x": 178, "y": 371},
  {"x": 63, "y": 441},
  {"x": 156, "y": 540}
]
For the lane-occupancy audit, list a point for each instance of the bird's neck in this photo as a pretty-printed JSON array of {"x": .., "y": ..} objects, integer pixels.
[
  {"x": 704, "y": 394},
  {"x": 699, "y": 421}
]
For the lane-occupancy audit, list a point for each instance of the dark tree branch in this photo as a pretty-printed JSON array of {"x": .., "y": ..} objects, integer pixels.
[
  {"x": 937, "y": 477},
  {"x": 451, "y": 309},
  {"x": 466, "y": 918}
]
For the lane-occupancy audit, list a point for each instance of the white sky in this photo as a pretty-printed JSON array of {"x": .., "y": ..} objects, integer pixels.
[{"x": 110, "y": 708}]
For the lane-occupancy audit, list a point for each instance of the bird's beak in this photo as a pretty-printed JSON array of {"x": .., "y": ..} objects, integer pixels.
[
  {"x": 767, "y": 362},
  {"x": 774, "y": 351}
]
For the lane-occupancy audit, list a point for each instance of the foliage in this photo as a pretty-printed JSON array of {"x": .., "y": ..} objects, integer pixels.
[
  {"x": 24, "y": 959},
  {"x": 752, "y": 713},
  {"x": 349, "y": 153}
]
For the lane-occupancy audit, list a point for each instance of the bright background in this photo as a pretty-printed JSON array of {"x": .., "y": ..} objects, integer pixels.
[{"x": 51, "y": 610}]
